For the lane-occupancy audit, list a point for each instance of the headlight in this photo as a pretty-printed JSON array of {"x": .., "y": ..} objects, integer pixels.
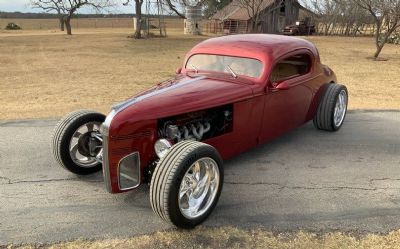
[{"x": 161, "y": 147}]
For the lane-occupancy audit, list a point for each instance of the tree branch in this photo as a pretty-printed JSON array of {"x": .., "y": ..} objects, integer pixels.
[{"x": 174, "y": 9}]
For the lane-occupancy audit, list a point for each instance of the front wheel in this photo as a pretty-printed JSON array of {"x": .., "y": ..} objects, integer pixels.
[
  {"x": 77, "y": 144},
  {"x": 186, "y": 184}
]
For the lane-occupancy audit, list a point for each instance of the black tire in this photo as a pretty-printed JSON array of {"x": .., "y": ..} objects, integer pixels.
[
  {"x": 167, "y": 178},
  {"x": 62, "y": 136},
  {"x": 324, "y": 119}
]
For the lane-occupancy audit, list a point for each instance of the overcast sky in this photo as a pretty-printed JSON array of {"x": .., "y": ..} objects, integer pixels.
[{"x": 23, "y": 6}]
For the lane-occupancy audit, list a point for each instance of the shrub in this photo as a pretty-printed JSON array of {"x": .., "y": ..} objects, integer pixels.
[
  {"x": 394, "y": 38},
  {"x": 12, "y": 26}
]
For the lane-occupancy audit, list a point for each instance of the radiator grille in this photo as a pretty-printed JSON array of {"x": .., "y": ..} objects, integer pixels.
[{"x": 138, "y": 135}]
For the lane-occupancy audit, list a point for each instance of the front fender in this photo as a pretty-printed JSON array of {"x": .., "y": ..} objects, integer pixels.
[{"x": 121, "y": 139}]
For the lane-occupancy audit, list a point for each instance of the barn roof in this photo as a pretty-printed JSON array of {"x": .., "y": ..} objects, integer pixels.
[{"x": 236, "y": 11}]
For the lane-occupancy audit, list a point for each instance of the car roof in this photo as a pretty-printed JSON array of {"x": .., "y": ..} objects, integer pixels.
[{"x": 265, "y": 47}]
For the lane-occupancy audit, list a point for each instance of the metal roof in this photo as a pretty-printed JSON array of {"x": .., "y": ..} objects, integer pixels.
[{"x": 237, "y": 10}]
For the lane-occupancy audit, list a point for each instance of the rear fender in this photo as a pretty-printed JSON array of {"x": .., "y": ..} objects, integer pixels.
[{"x": 312, "y": 111}]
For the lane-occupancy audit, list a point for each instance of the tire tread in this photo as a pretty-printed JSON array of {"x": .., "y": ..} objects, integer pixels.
[
  {"x": 164, "y": 177},
  {"x": 323, "y": 119}
]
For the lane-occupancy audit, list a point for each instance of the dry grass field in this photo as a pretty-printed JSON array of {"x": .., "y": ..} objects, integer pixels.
[
  {"x": 229, "y": 237},
  {"x": 372, "y": 84},
  {"x": 47, "y": 74}
]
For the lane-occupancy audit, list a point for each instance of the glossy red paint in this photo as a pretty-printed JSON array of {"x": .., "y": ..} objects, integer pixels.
[{"x": 261, "y": 111}]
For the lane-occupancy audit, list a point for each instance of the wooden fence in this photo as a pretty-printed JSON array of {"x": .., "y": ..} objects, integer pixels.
[{"x": 87, "y": 23}]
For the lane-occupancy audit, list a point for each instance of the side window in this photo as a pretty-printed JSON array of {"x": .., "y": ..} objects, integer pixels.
[{"x": 290, "y": 67}]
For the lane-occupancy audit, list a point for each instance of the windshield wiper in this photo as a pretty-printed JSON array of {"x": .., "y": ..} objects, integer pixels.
[
  {"x": 231, "y": 71},
  {"x": 195, "y": 68}
]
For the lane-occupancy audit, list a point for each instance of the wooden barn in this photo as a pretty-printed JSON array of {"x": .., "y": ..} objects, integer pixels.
[{"x": 273, "y": 16}]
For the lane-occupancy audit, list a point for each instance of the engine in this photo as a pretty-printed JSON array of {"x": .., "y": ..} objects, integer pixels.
[{"x": 198, "y": 125}]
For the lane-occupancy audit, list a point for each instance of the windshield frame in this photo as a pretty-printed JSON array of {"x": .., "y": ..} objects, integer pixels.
[{"x": 188, "y": 68}]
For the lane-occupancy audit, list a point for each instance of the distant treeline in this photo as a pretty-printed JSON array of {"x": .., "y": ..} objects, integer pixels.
[{"x": 52, "y": 16}]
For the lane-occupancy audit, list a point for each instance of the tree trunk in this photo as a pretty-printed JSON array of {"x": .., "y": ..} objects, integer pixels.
[
  {"x": 381, "y": 43},
  {"x": 68, "y": 25},
  {"x": 62, "y": 23},
  {"x": 138, "y": 10},
  {"x": 377, "y": 34},
  {"x": 378, "y": 50}
]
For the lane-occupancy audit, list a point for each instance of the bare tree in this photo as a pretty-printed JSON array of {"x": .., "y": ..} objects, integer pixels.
[
  {"x": 212, "y": 6},
  {"x": 170, "y": 4},
  {"x": 71, "y": 6},
  {"x": 51, "y": 6},
  {"x": 67, "y": 8},
  {"x": 139, "y": 20},
  {"x": 340, "y": 17},
  {"x": 351, "y": 18},
  {"x": 386, "y": 14},
  {"x": 254, "y": 9},
  {"x": 173, "y": 6},
  {"x": 328, "y": 12},
  {"x": 177, "y": 6}
]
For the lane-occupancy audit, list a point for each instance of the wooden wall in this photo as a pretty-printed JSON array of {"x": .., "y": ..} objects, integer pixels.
[{"x": 273, "y": 20}]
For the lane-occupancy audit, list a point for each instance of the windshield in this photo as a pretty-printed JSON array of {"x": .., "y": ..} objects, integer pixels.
[{"x": 227, "y": 64}]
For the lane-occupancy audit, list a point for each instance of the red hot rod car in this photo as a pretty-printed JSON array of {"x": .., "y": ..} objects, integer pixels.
[{"x": 231, "y": 94}]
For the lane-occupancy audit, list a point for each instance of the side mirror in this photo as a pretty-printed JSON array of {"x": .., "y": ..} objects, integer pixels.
[
  {"x": 178, "y": 70},
  {"x": 282, "y": 86}
]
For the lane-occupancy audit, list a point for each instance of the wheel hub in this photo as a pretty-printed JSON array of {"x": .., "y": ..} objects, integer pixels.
[
  {"x": 198, "y": 188},
  {"x": 83, "y": 145},
  {"x": 85, "y": 148},
  {"x": 340, "y": 108}
]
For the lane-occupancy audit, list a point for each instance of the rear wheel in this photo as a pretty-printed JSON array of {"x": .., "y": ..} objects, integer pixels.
[
  {"x": 332, "y": 108},
  {"x": 187, "y": 183},
  {"x": 77, "y": 144}
]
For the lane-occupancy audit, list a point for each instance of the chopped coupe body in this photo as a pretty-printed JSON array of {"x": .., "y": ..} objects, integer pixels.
[
  {"x": 260, "y": 111},
  {"x": 231, "y": 94}
]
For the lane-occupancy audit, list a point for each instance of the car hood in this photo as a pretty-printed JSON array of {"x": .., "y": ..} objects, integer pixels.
[{"x": 180, "y": 95}]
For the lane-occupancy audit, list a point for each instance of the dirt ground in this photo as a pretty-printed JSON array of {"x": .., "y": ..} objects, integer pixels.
[
  {"x": 47, "y": 74},
  {"x": 230, "y": 237}
]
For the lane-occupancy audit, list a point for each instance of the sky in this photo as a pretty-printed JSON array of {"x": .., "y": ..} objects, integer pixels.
[{"x": 23, "y": 6}]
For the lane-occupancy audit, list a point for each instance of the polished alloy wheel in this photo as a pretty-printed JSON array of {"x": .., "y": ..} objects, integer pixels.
[
  {"x": 340, "y": 108},
  {"x": 79, "y": 149},
  {"x": 198, "y": 188}
]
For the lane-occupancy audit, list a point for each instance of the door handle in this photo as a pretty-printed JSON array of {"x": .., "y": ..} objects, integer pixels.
[{"x": 283, "y": 86}]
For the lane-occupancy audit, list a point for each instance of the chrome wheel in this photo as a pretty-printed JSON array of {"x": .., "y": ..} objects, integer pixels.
[
  {"x": 340, "y": 108},
  {"x": 80, "y": 151},
  {"x": 198, "y": 188}
]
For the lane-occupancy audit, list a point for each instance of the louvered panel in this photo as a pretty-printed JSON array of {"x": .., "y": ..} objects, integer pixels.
[{"x": 137, "y": 135}]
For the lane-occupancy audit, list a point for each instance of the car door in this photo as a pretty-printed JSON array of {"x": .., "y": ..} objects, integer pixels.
[{"x": 288, "y": 94}]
